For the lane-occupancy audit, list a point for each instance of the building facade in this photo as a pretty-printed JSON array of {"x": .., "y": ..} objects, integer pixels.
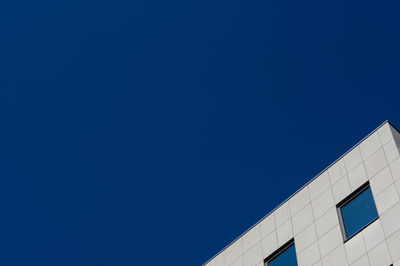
[{"x": 347, "y": 215}]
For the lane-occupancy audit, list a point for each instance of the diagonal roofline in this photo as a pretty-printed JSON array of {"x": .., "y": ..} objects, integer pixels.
[{"x": 297, "y": 191}]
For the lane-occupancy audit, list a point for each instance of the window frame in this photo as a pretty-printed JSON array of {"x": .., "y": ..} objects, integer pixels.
[
  {"x": 279, "y": 251},
  {"x": 348, "y": 199}
]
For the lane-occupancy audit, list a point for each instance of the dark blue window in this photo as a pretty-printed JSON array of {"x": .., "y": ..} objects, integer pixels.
[
  {"x": 358, "y": 211},
  {"x": 287, "y": 257}
]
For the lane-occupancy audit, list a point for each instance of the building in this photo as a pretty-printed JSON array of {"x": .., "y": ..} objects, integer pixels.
[{"x": 349, "y": 214}]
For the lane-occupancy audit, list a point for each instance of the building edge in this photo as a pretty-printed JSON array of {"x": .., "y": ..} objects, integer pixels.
[{"x": 306, "y": 184}]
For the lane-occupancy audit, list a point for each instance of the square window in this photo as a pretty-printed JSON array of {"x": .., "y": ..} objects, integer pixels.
[
  {"x": 357, "y": 211},
  {"x": 284, "y": 256}
]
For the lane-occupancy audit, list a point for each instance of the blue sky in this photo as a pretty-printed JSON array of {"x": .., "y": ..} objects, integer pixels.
[{"x": 155, "y": 132}]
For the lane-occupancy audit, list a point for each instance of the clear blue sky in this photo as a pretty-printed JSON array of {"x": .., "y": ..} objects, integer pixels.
[{"x": 155, "y": 132}]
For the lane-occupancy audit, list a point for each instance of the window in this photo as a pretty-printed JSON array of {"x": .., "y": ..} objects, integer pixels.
[
  {"x": 285, "y": 256},
  {"x": 357, "y": 211}
]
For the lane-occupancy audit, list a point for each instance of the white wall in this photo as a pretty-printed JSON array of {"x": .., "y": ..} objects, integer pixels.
[{"x": 310, "y": 215}]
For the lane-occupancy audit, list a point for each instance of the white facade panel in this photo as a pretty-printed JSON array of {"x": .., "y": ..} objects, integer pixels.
[{"x": 311, "y": 218}]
